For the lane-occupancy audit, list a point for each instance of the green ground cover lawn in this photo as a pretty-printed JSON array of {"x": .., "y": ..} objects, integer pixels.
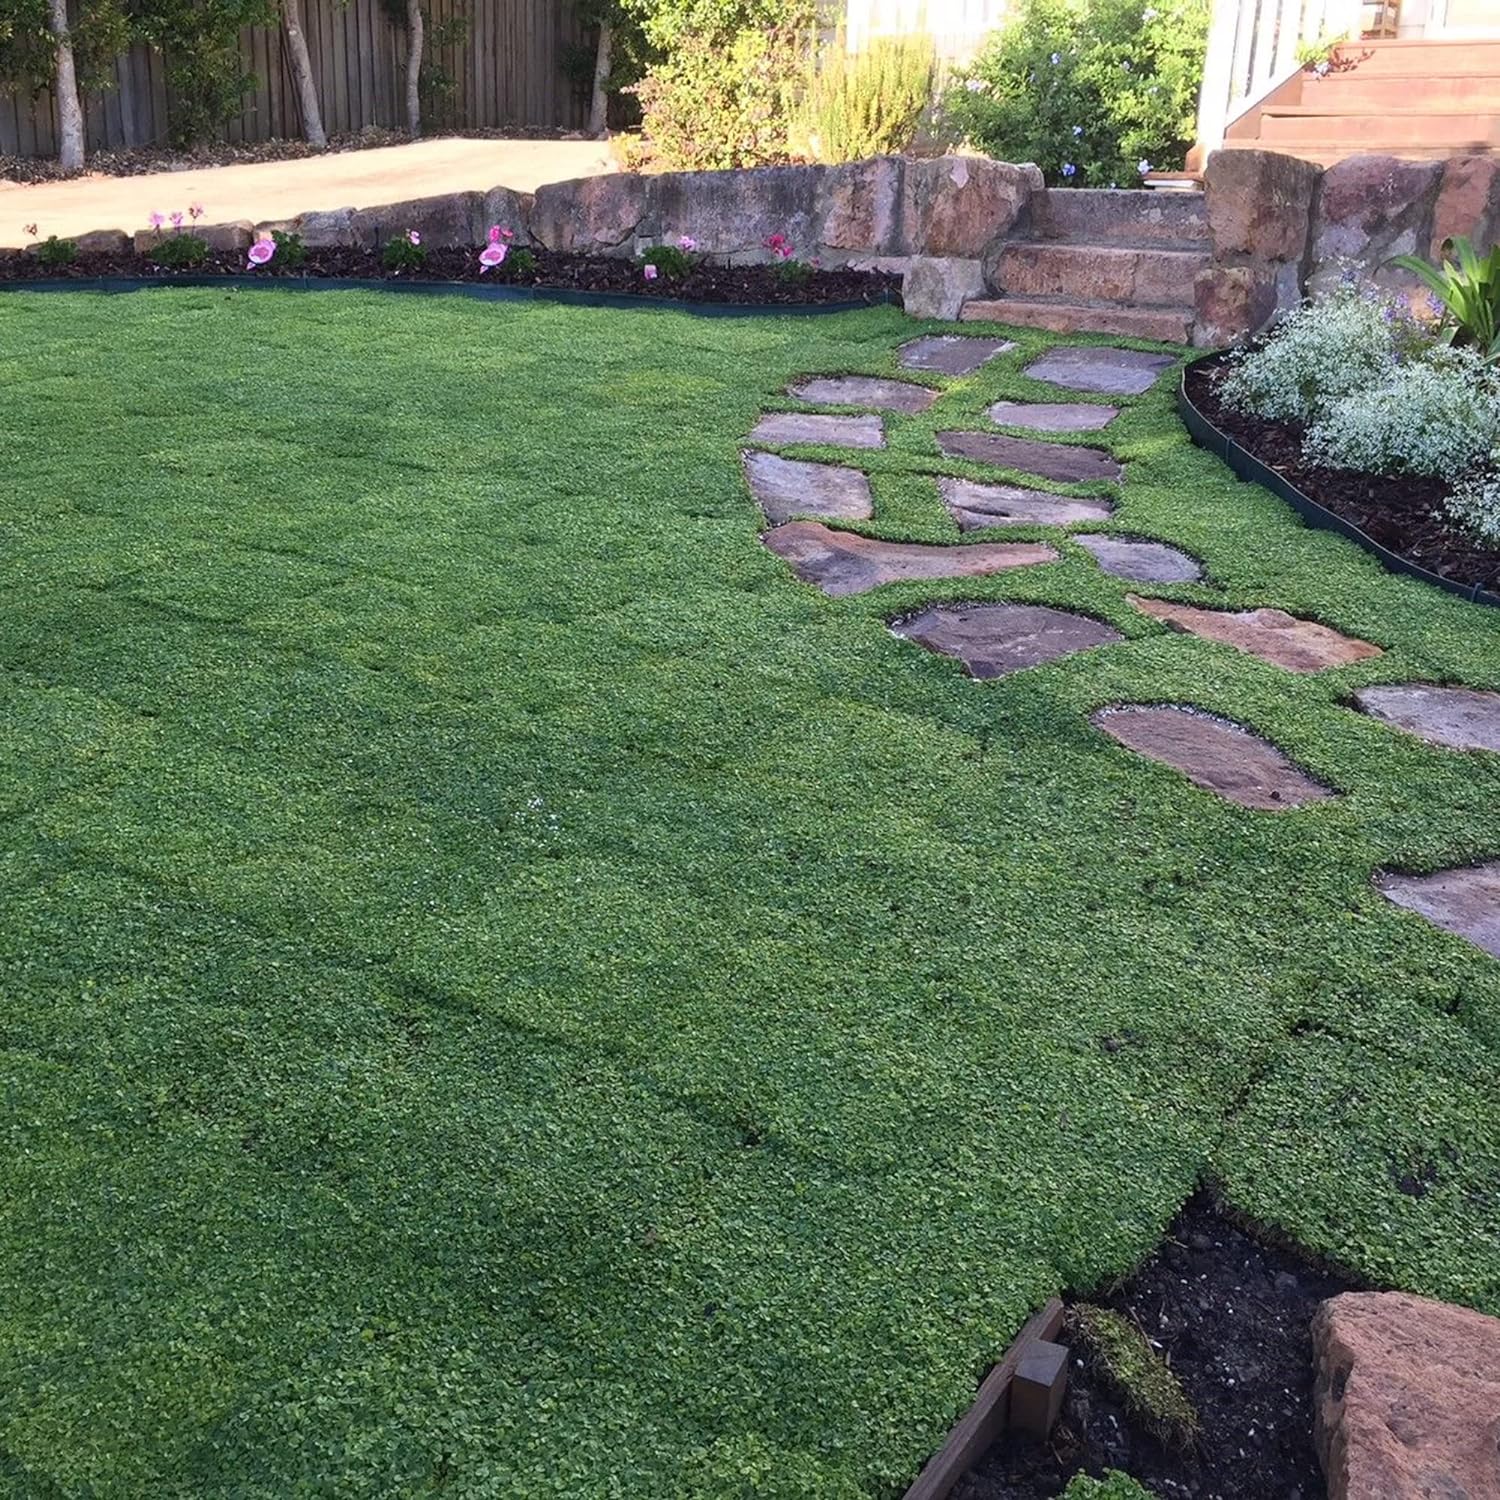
[{"x": 505, "y": 992}]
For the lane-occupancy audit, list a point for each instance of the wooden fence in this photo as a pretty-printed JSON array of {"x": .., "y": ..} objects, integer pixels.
[{"x": 507, "y": 70}]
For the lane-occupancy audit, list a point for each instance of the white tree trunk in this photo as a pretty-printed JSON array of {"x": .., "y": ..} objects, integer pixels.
[
  {"x": 603, "y": 57},
  {"x": 414, "y": 40},
  {"x": 65, "y": 90},
  {"x": 302, "y": 73}
]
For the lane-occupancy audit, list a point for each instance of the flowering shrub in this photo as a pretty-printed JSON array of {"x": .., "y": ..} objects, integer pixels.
[
  {"x": 1095, "y": 92},
  {"x": 494, "y": 253},
  {"x": 1348, "y": 343},
  {"x": 179, "y": 251},
  {"x": 1474, "y": 502},
  {"x": 404, "y": 252},
  {"x": 784, "y": 260},
  {"x": 670, "y": 261},
  {"x": 1439, "y": 415}
]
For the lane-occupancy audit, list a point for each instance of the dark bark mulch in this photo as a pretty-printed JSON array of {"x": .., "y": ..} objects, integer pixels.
[
  {"x": 1404, "y": 515},
  {"x": 746, "y": 285},
  {"x": 1231, "y": 1316}
]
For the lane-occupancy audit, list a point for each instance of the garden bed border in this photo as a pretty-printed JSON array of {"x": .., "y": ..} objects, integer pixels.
[{"x": 1251, "y": 470}]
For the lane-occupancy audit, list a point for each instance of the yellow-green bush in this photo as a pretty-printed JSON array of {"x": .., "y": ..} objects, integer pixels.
[{"x": 867, "y": 103}]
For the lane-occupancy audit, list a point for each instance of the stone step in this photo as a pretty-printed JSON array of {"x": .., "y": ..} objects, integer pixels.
[
  {"x": 1172, "y": 325},
  {"x": 1126, "y": 216},
  {"x": 1097, "y": 273}
]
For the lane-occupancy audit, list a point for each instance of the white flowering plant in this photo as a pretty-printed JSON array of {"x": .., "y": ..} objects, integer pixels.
[{"x": 1473, "y": 504}]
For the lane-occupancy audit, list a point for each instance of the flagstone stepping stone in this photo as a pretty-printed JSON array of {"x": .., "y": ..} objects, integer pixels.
[
  {"x": 842, "y": 562},
  {"x": 1271, "y": 634},
  {"x": 1063, "y": 462},
  {"x": 818, "y": 427},
  {"x": 1049, "y": 416},
  {"x": 1110, "y": 372},
  {"x": 1213, "y": 753},
  {"x": 1139, "y": 560},
  {"x": 978, "y": 505},
  {"x": 863, "y": 390},
  {"x": 787, "y": 487},
  {"x": 1464, "y": 901},
  {"x": 994, "y": 640},
  {"x": 952, "y": 353},
  {"x": 1461, "y": 718}
]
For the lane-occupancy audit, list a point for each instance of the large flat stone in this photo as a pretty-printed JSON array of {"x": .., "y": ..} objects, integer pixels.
[
  {"x": 1051, "y": 416},
  {"x": 787, "y": 427},
  {"x": 1063, "y": 462},
  {"x": 978, "y": 505},
  {"x": 1110, "y": 372},
  {"x": 1141, "y": 561},
  {"x": 1406, "y": 1398},
  {"x": 841, "y": 562},
  {"x": 863, "y": 390},
  {"x": 1271, "y": 634},
  {"x": 1461, "y": 718},
  {"x": 1220, "y": 756},
  {"x": 937, "y": 286},
  {"x": 785, "y": 487},
  {"x": 994, "y": 640},
  {"x": 952, "y": 353},
  {"x": 1465, "y": 901}
]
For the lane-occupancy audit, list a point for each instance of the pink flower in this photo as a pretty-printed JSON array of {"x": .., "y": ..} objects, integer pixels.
[
  {"x": 156, "y": 221},
  {"x": 687, "y": 244},
  {"x": 495, "y": 233},
  {"x": 413, "y": 237},
  {"x": 507, "y": 234},
  {"x": 649, "y": 272},
  {"x": 261, "y": 252},
  {"x": 492, "y": 255},
  {"x": 779, "y": 246},
  {"x": 195, "y": 211},
  {"x": 177, "y": 220}
]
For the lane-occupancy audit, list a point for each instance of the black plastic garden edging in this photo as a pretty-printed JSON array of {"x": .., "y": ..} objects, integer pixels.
[
  {"x": 1249, "y": 468},
  {"x": 566, "y": 295}
]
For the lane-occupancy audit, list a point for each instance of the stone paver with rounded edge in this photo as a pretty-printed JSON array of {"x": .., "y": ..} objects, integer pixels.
[
  {"x": 1109, "y": 372},
  {"x": 952, "y": 353},
  {"x": 1271, "y": 634},
  {"x": 1064, "y": 462},
  {"x": 842, "y": 562},
  {"x": 1465, "y": 901},
  {"x": 863, "y": 390},
  {"x": 787, "y": 487},
  {"x": 1139, "y": 560},
  {"x": 994, "y": 640},
  {"x": 1213, "y": 753},
  {"x": 975, "y": 505},
  {"x": 1460, "y": 718},
  {"x": 788, "y": 427},
  {"x": 1052, "y": 416}
]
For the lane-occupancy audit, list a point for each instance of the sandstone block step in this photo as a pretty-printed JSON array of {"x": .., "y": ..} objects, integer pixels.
[
  {"x": 1460, "y": 130},
  {"x": 1098, "y": 273},
  {"x": 1131, "y": 216},
  {"x": 1171, "y": 325}
]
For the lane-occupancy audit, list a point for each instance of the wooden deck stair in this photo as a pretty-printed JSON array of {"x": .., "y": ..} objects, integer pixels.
[{"x": 1417, "y": 99}]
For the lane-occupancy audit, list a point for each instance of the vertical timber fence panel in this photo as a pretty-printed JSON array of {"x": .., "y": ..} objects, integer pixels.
[{"x": 505, "y": 67}]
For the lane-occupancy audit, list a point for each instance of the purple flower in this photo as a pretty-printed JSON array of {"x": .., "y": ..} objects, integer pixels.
[
  {"x": 1078, "y": 130},
  {"x": 649, "y": 272},
  {"x": 261, "y": 251},
  {"x": 1069, "y": 169},
  {"x": 156, "y": 221},
  {"x": 1143, "y": 166},
  {"x": 492, "y": 255},
  {"x": 177, "y": 220},
  {"x": 1056, "y": 58},
  {"x": 687, "y": 244},
  {"x": 413, "y": 238}
]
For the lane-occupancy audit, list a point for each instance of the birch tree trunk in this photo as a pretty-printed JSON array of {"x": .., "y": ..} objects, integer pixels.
[
  {"x": 414, "y": 39},
  {"x": 599, "y": 107},
  {"x": 65, "y": 90},
  {"x": 302, "y": 73}
]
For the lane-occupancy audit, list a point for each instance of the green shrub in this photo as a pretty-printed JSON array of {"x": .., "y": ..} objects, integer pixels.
[
  {"x": 404, "y": 252},
  {"x": 55, "y": 253},
  {"x": 290, "y": 251},
  {"x": 869, "y": 103},
  {"x": 179, "y": 251},
  {"x": 520, "y": 264},
  {"x": 1474, "y": 502},
  {"x": 1114, "y": 1486},
  {"x": 1468, "y": 289},
  {"x": 1095, "y": 92},
  {"x": 671, "y": 261}
]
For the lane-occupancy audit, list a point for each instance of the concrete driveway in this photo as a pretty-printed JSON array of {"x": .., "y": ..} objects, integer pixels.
[{"x": 283, "y": 189}]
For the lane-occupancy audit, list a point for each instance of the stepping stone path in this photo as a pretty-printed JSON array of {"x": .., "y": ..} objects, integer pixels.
[
  {"x": 1460, "y": 718},
  {"x": 786, "y": 427},
  {"x": 787, "y": 487},
  {"x": 1062, "y": 462},
  {"x": 1271, "y": 634},
  {"x": 994, "y": 640},
  {"x": 1044, "y": 416},
  {"x": 978, "y": 505},
  {"x": 863, "y": 390},
  {"x": 842, "y": 562},
  {"x": 951, "y": 353},
  {"x": 1213, "y": 753},
  {"x": 1138, "y": 560},
  {"x": 1464, "y": 901},
  {"x": 1110, "y": 372}
]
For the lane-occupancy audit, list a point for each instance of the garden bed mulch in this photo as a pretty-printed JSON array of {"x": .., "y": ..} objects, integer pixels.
[
  {"x": 758, "y": 285},
  {"x": 1231, "y": 1314},
  {"x": 1404, "y": 515}
]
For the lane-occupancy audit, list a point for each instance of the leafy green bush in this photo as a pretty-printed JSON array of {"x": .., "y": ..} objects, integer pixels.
[
  {"x": 179, "y": 251},
  {"x": 1114, "y": 1486},
  {"x": 1469, "y": 291},
  {"x": 520, "y": 264},
  {"x": 671, "y": 261},
  {"x": 290, "y": 251},
  {"x": 1095, "y": 92},
  {"x": 1474, "y": 502},
  {"x": 55, "y": 253},
  {"x": 869, "y": 103},
  {"x": 404, "y": 252}
]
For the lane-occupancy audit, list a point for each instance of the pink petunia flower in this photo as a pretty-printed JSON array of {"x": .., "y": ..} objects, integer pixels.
[
  {"x": 492, "y": 255},
  {"x": 495, "y": 233},
  {"x": 156, "y": 221},
  {"x": 261, "y": 252},
  {"x": 507, "y": 234},
  {"x": 687, "y": 244},
  {"x": 413, "y": 237},
  {"x": 649, "y": 272},
  {"x": 177, "y": 220}
]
